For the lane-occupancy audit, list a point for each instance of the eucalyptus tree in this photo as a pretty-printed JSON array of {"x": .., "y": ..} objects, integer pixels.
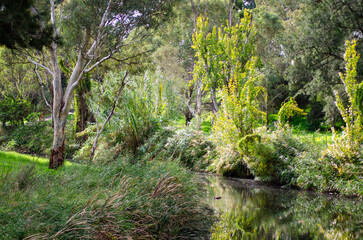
[{"x": 93, "y": 31}]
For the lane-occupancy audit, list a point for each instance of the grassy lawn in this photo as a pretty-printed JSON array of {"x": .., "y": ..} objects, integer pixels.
[
  {"x": 14, "y": 160},
  {"x": 11, "y": 160}
]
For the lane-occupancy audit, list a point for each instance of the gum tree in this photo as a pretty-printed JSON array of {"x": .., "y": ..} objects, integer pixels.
[{"x": 91, "y": 32}]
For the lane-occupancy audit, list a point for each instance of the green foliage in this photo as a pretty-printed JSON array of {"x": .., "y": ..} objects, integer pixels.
[
  {"x": 225, "y": 61},
  {"x": 238, "y": 116},
  {"x": 343, "y": 158},
  {"x": 17, "y": 78},
  {"x": 146, "y": 104},
  {"x": 142, "y": 201},
  {"x": 14, "y": 111},
  {"x": 300, "y": 44},
  {"x": 222, "y": 54},
  {"x": 246, "y": 144},
  {"x": 302, "y": 160},
  {"x": 269, "y": 156},
  {"x": 352, "y": 114},
  {"x": 189, "y": 147},
  {"x": 20, "y": 27},
  {"x": 31, "y": 138},
  {"x": 288, "y": 110},
  {"x": 359, "y": 101}
]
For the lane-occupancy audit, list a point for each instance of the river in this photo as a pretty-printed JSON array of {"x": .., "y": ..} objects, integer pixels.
[{"x": 249, "y": 209}]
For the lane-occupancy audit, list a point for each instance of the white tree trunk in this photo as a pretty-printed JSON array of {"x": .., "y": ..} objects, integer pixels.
[{"x": 215, "y": 106}]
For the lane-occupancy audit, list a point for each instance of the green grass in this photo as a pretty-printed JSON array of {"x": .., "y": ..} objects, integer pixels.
[
  {"x": 17, "y": 159},
  {"x": 315, "y": 138},
  {"x": 11, "y": 160},
  {"x": 114, "y": 201},
  {"x": 206, "y": 126},
  {"x": 179, "y": 122}
]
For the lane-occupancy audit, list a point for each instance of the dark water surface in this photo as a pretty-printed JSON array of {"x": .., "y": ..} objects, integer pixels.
[{"x": 251, "y": 210}]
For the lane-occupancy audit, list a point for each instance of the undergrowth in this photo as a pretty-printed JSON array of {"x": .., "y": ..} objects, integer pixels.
[
  {"x": 299, "y": 161},
  {"x": 114, "y": 201}
]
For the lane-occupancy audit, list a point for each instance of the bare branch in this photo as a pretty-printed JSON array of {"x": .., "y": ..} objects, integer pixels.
[
  {"x": 41, "y": 87},
  {"x": 60, "y": 21},
  {"x": 99, "y": 132},
  {"x": 100, "y": 29},
  {"x": 186, "y": 101},
  {"x": 39, "y": 65},
  {"x": 53, "y": 18},
  {"x": 98, "y": 62}
]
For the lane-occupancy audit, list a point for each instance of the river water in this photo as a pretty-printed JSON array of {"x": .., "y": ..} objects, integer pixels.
[{"x": 251, "y": 210}]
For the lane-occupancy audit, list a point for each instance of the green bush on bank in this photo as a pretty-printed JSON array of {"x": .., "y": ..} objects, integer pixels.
[{"x": 288, "y": 159}]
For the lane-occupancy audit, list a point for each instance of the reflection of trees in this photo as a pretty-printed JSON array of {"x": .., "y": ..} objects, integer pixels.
[{"x": 263, "y": 213}]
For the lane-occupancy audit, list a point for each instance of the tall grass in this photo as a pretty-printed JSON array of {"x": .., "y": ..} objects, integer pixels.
[{"x": 115, "y": 201}]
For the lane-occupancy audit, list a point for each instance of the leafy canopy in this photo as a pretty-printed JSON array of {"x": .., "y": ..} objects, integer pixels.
[{"x": 20, "y": 25}]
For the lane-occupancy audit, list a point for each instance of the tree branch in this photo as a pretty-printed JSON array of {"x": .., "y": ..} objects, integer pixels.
[
  {"x": 39, "y": 65},
  {"x": 99, "y": 132},
  {"x": 100, "y": 28},
  {"x": 98, "y": 63},
  {"x": 41, "y": 87}
]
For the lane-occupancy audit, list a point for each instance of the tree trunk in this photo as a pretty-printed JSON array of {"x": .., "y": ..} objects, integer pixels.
[
  {"x": 267, "y": 120},
  {"x": 57, "y": 153},
  {"x": 215, "y": 107},
  {"x": 188, "y": 116},
  {"x": 198, "y": 107},
  {"x": 82, "y": 112}
]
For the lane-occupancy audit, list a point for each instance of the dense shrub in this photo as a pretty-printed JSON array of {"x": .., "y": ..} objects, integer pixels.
[
  {"x": 13, "y": 111},
  {"x": 188, "y": 146},
  {"x": 280, "y": 157},
  {"x": 33, "y": 138}
]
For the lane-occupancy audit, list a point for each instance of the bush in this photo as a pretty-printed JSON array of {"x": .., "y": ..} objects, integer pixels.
[
  {"x": 270, "y": 157},
  {"x": 14, "y": 111},
  {"x": 35, "y": 138},
  {"x": 190, "y": 147}
]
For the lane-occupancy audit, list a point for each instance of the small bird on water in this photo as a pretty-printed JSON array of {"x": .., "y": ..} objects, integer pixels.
[{"x": 217, "y": 198}]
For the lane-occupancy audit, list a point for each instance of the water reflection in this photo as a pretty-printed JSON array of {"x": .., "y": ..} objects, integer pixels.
[{"x": 250, "y": 210}]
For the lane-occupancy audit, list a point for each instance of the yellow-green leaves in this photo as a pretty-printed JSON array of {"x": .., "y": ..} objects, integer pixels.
[
  {"x": 226, "y": 66},
  {"x": 351, "y": 114},
  {"x": 222, "y": 54},
  {"x": 240, "y": 111},
  {"x": 288, "y": 109},
  {"x": 344, "y": 149}
]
